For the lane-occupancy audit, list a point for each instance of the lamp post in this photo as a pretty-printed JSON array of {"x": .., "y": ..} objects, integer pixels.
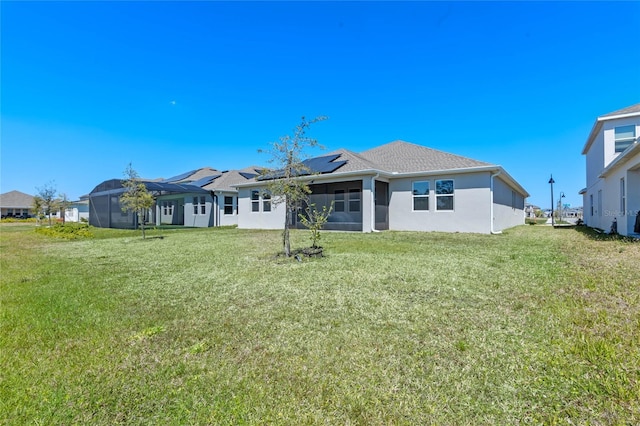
[
  {"x": 551, "y": 181},
  {"x": 561, "y": 205}
]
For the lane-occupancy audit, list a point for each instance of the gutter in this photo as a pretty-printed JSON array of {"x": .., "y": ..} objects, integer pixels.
[{"x": 493, "y": 175}]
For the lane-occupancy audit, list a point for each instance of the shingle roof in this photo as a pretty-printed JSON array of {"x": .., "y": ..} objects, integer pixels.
[
  {"x": 13, "y": 199},
  {"x": 405, "y": 157},
  {"x": 628, "y": 110},
  {"x": 231, "y": 178}
]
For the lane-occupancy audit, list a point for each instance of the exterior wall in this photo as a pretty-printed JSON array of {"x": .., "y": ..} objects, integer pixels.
[
  {"x": 227, "y": 219},
  {"x": 471, "y": 211},
  {"x": 595, "y": 159},
  {"x": 248, "y": 219},
  {"x": 611, "y": 208},
  {"x": 75, "y": 214},
  {"x": 608, "y": 136},
  {"x": 199, "y": 219},
  {"x": 508, "y": 206},
  {"x": 602, "y": 199},
  {"x": 175, "y": 215}
]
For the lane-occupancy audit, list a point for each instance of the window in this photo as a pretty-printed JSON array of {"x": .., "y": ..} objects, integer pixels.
[
  {"x": 338, "y": 203},
  {"x": 258, "y": 196},
  {"x": 354, "y": 200},
  {"x": 199, "y": 205},
  {"x": 623, "y": 199},
  {"x": 624, "y": 137},
  {"x": 444, "y": 194},
  {"x": 167, "y": 208},
  {"x": 266, "y": 202},
  {"x": 255, "y": 200},
  {"x": 591, "y": 203},
  {"x": 228, "y": 205},
  {"x": 421, "y": 195}
]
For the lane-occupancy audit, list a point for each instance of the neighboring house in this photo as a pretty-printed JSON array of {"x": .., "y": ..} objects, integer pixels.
[
  {"x": 105, "y": 210},
  {"x": 16, "y": 204},
  {"x": 612, "y": 155},
  {"x": 78, "y": 210},
  {"x": 199, "y": 198},
  {"x": 218, "y": 208},
  {"x": 397, "y": 186}
]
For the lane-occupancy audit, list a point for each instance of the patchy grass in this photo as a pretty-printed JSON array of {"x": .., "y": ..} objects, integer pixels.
[{"x": 537, "y": 325}]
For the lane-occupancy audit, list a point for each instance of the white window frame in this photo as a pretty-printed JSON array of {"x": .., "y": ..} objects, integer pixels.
[
  {"x": 624, "y": 141},
  {"x": 420, "y": 196},
  {"x": 452, "y": 195},
  {"x": 266, "y": 202},
  {"x": 260, "y": 198}
]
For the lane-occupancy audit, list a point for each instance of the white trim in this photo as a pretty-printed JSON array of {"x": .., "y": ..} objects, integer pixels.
[
  {"x": 453, "y": 195},
  {"x": 421, "y": 196}
]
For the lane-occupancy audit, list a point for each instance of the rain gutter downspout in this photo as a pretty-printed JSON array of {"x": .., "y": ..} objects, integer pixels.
[
  {"x": 373, "y": 202},
  {"x": 215, "y": 209},
  {"x": 491, "y": 205}
]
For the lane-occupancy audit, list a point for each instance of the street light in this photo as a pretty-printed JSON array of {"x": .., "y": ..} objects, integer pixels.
[
  {"x": 561, "y": 204},
  {"x": 551, "y": 181}
]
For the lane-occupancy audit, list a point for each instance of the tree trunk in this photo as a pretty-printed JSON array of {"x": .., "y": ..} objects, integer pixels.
[
  {"x": 285, "y": 234},
  {"x": 141, "y": 220}
]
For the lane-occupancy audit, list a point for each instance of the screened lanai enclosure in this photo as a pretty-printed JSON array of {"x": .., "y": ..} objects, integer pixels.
[{"x": 189, "y": 205}]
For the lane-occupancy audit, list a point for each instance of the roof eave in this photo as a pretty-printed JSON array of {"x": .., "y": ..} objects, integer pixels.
[
  {"x": 598, "y": 125},
  {"x": 620, "y": 160}
]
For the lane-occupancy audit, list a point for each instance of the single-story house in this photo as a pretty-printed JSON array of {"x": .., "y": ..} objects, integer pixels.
[
  {"x": 16, "y": 204},
  {"x": 398, "y": 186},
  {"x": 199, "y": 198},
  {"x": 613, "y": 172}
]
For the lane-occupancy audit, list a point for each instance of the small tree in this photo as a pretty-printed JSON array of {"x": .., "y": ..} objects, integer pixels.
[
  {"x": 136, "y": 197},
  {"x": 315, "y": 220},
  {"x": 284, "y": 184},
  {"x": 37, "y": 208},
  {"x": 47, "y": 199}
]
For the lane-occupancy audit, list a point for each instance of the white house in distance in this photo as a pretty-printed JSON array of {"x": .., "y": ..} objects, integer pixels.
[
  {"x": 397, "y": 186},
  {"x": 613, "y": 172}
]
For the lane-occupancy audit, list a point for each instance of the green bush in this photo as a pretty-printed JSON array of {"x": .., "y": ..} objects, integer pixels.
[{"x": 69, "y": 231}]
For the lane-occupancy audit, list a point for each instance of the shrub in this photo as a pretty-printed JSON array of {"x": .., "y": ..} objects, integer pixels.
[{"x": 69, "y": 231}]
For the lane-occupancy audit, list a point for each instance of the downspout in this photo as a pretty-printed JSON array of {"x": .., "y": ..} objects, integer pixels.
[
  {"x": 373, "y": 202},
  {"x": 491, "y": 202},
  {"x": 214, "y": 210}
]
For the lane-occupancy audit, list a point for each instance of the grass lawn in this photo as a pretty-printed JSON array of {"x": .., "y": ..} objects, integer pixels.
[{"x": 537, "y": 325}]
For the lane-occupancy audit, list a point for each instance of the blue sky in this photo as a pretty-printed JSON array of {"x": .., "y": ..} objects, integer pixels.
[{"x": 88, "y": 87}]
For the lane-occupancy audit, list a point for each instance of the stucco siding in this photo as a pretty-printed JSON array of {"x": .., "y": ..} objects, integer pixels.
[
  {"x": 471, "y": 212},
  {"x": 608, "y": 132},
  {"x": 508, "y": 206},
  {"x": 199, "y": 219},
  {"x": 248, "y": 219},
  {"x": 595, "y": 160}
]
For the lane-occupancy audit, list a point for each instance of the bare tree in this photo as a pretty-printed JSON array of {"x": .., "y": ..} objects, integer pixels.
[{"x": 285, "y": 186}]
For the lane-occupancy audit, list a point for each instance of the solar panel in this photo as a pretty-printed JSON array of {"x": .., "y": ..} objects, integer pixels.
[
  {"x": 179, "y": 177},
  {"x": 248, "y": 175},
  {"x": 316, "y": 165},
  {"x": 204, "y": 181}
]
